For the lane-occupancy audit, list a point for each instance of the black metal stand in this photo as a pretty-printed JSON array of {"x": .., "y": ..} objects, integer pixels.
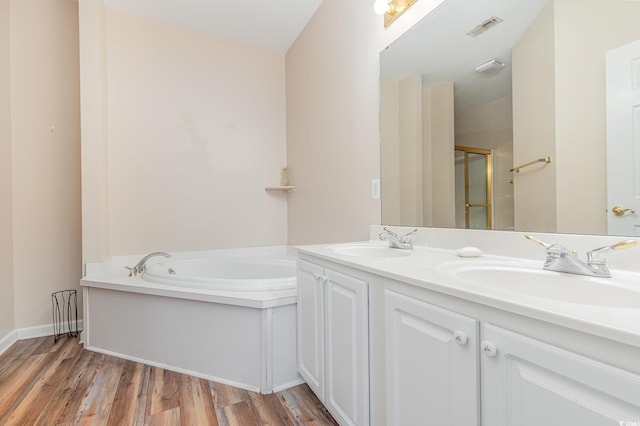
[{"x": 65, "y": 309}]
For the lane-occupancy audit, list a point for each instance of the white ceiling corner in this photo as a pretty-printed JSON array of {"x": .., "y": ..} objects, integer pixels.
[{"x": 266, "y": 24}]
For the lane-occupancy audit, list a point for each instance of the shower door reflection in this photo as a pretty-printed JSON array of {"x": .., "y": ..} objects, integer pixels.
[{"x": 473, "y": 188}]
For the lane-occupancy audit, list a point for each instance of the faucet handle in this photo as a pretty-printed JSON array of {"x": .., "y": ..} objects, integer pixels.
[
  {"x": 599, "y": 255},
  {"x": 617, "y": 246},
  {"x": 535, "y": 240},
  {"x": 624, "y": 244},
  {"x": 410, "y": 234},
  {"x": 553, "y": 250},
  {"x": 132, "y": 271},
  {"x": 396, "y": 241},
  {"x": 390, "y": 232},
  {"x": 596, "y": 258}
]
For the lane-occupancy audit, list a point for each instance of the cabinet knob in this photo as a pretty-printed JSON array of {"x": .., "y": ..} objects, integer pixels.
[
  {"x": 460, "y": 337},
  {"x": 319, "y": 277},
  {"x": 488, "y": 348}
]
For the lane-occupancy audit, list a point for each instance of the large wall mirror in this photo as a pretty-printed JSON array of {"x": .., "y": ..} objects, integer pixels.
[{"x": 480, "y": 87}]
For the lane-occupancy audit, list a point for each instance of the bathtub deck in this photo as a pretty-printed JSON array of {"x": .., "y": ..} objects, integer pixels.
[{"x": 46, "y": 383}]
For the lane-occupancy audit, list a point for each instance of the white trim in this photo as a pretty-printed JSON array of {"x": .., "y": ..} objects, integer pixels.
[
  {"x": 8, "y": 340},
  {"x": 176, "y": 369},
  {"x": 84, "y": 336},
  {"x": 266, "y": 354},
  {"x": 289, "y": 385},
  {"x": 39, "y": 331},
  {"x": 28, "y": 333}
]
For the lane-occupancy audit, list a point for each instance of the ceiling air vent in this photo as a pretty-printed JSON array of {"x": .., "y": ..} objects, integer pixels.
[{"x": 484, "y": 26}]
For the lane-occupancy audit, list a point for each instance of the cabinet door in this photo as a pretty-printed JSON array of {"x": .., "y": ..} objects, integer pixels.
[
  {"x": 311, "y": 326},
  {"x": 528, "y": 382},
  {"x": 431, "y": 364},
  {"x": 347, "y": 344}
]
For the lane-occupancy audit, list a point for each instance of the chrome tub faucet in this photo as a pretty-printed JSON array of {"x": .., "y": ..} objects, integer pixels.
[
  {"x": 395, "y": 241},
  {"x": 560, "y": 259},
  {"x": 142, "y": 264}
]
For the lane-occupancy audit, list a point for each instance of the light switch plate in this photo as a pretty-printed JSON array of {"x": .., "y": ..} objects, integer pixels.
[{"x": 375, "y": 189}]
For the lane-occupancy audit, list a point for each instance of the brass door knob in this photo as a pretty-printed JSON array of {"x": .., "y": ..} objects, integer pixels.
[{"x": 620, "y": 211}]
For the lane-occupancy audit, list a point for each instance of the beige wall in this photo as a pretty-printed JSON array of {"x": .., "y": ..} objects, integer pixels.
[
  {"x": 185, "y": 132},
  {"x": 401, "y": 127},
  {"x": 7, "y": 319},
  {"x": 441, "y": 135},
  {"x": 332, "y": 123},
  {"x": 533, "y": 81},
  {"x": 410, "y": 150},
  {"x": 580, "y": 105},
  {"x": 45, "y": 163},
  {"x": 196, "y": 130},
  {"x": 95, "y": 201},
  {"x": 184, "y": 167},
  {"x": 417, "y": 126},
  {"x": 559, "y": 106},
  {"x": 389, "y": 151}
]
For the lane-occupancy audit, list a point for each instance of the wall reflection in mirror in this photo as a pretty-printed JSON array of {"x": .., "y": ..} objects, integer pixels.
[{"x": 519, "y": 80}]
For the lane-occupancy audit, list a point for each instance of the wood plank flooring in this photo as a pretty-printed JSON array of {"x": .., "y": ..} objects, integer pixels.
[{"x": 47, "y": 383}]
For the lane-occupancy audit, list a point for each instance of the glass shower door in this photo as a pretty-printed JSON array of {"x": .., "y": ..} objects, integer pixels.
[{"x": 473, "y": 188}]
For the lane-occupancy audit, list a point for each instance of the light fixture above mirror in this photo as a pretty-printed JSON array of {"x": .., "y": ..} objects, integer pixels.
[{"x": 391, "y": 9}]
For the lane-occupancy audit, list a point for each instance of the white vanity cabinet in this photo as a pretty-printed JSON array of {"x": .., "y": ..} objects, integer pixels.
[
  {"x": 310, "y": 333},
  {"x": 440, "y": 360},
  {"x": 529, "y": 382},
  {"x": 333, "y": 339},
  {"x": 389, "y": 350},
  {"x": 431, "y": 364}
]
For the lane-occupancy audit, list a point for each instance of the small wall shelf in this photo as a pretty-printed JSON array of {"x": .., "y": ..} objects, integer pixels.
[{"x": 280, "y": 188}]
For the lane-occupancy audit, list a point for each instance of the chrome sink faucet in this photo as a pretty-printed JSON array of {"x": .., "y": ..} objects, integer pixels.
[
  {"x": 142, "y": 264},
  {"x": 396, "y": 241},
  {"x": 560, "y": 259}
]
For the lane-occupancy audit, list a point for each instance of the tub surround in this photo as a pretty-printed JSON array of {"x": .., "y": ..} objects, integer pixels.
[
  {"x": 228, "y": 274},
  {"x": 241, "y": 338},
  {"x": 111, "y": 274}
]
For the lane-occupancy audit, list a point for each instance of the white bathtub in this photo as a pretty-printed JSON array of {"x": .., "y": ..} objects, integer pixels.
[
  {"x": 226, "y": 315},
  {"x": 227, "y": 274}
]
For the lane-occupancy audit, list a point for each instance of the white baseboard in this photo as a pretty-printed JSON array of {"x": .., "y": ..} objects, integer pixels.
[
  {"x": 28, "y": 333},
  {"x": 296, "y": 382},
  {"x": 8, "y": 340}
]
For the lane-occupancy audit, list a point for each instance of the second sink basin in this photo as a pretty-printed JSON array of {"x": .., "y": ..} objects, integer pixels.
[{"x": 527, "y": 279}]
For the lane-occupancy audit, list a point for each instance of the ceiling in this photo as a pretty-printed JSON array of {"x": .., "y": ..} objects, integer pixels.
[
  {"x": 439, "y": 48},
  {"x": 267, "y": 24}
]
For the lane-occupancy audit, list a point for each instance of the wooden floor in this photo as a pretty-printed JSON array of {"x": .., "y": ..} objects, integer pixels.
[{"x": 47, "y": 383}]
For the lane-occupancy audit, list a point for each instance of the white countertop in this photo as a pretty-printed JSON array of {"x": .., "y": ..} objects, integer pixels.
[{"x": 421, "y": 268}]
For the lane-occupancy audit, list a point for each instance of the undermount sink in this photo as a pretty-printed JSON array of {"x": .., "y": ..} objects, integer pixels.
[
  {"x": 622, "y": 290},
  {"x": 370, "y": 250}
]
